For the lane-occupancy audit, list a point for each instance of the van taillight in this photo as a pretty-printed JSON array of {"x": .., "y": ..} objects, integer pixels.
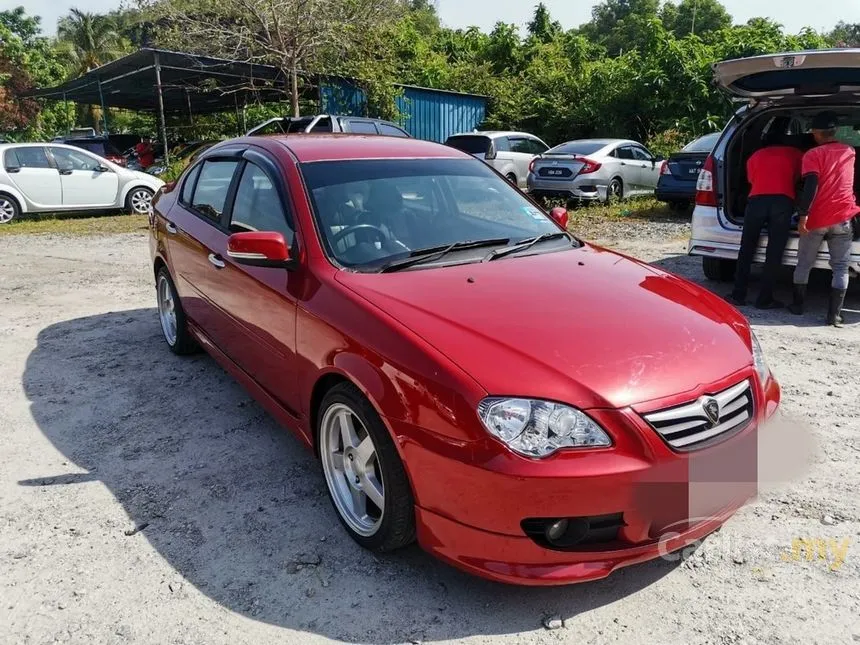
[{"x": 706, "y": 193}]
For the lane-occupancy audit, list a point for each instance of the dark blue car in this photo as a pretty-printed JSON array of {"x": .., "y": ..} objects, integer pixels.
[{"x": 679, "y": 173}]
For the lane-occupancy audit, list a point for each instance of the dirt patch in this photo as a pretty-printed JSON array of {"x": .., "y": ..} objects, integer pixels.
[{"x": 145, "y": 498}]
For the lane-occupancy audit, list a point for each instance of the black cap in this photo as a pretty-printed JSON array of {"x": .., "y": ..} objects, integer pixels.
[{"x": 825, "y": 121}]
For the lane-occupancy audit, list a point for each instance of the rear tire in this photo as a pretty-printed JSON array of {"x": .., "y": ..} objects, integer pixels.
[
  {"x": 174, "y": 324},
  {"x": 511, "y": 177},
  {"x": 351, "y": 466},
  {"x": 719, "y": 269},
  {"x": 615, "y": 190},
  {"x": 9, "y": 209}
]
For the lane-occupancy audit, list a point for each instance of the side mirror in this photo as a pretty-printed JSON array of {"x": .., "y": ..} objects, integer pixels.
[
  {"x": 259, "y": 249},
  {"x": 559, "y": 216},
  {"x": 102, "y": 168}
]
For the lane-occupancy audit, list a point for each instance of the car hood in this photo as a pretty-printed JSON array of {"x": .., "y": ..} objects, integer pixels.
[{"x": 585, "y": 326}]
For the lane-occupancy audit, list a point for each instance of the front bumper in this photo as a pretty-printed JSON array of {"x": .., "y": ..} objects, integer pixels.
[{"x": 470, "y": 512}]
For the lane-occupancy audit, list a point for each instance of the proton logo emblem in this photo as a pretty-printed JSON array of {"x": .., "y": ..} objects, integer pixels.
[{"x": 712, "y": 410}]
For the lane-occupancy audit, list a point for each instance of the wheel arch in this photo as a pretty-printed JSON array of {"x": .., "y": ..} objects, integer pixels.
[
  {"x": 17, "y": 196},
  {"x": 132, "y": 185}
]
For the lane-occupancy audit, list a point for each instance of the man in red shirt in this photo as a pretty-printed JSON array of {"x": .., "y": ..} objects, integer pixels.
[
  {"x": 145, "y": 153},
  {"x": 826, "y": 207},
  {"x": 773, "y": 172}
]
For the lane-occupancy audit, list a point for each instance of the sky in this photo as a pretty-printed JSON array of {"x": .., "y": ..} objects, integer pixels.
[{"x": 794, "y": 14}]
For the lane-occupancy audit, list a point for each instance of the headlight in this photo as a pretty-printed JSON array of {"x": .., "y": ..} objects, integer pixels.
[
  {"x": 758, "y": 359},
  {"x": 537, "y": 428}
]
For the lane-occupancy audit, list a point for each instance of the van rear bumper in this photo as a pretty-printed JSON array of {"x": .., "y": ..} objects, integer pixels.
[{"x": 712, "y": 238}]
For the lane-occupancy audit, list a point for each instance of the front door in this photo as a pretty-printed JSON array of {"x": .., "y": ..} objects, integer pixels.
[
  {"x": 85, "y": 179},
  {"x": 31, "y": 172},
  {"x": 257, "y": 300},
  {"x": 649, "y": 169}
]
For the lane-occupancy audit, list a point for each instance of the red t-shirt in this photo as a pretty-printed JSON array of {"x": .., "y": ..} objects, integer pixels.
[
  {"x": 774, "y": 170},
  {"x": 145, "y": 154},
  {"x": 834, "y": 202}
]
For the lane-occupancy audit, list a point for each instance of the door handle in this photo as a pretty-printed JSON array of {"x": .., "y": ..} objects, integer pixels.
[
  {"x": 65, "y": 172},
  {"x": 216, "y": 261},
  {"x": 171, "y": 228}
]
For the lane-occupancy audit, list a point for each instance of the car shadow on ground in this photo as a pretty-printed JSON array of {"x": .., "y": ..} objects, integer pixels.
[
  {"x": 237, "y": 506},
  {"x": 690, "y": 267}
]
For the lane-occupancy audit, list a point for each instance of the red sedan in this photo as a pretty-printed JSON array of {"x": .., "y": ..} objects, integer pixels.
[{"x": 529, "y": 407}]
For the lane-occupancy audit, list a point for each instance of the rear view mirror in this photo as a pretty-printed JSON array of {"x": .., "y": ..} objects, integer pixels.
[
  {"x": 259, "y": 249},
  {"x": 559, "y": 216}
]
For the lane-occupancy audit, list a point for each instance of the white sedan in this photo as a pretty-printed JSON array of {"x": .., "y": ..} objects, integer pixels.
[{"x": 52, "y": 177}]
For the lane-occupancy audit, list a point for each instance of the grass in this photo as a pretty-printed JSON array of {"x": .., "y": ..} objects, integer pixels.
[
  {"x": 643, "y": 208},
  {"x": 54, "y": 224}
]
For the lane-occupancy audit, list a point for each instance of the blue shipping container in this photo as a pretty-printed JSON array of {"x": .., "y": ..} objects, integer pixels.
[{"x": 425, "y": 113}]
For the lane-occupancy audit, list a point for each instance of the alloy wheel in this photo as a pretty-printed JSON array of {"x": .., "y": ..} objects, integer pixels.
[
  {"x": 7, "y": 210},
  {"x": 167, "y": 310},
  {"x": 141, "y": 201},
  {"x": 352, "y": 469}
]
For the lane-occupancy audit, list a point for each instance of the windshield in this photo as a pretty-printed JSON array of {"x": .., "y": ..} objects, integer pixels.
[
  {"x": 476, "y": 145},
  {"x": 702, "y": 144},
  {"x": 373, "y": 212},
  {"x": 577, "y": 148}
]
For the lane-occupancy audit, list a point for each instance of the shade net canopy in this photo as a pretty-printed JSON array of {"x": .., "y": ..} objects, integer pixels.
[{"x": 189, "y": 83}]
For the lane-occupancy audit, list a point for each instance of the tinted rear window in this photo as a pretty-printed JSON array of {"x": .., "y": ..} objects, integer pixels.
[
  {"x": 96, "y": 147},
  {"x": 470, "y": 145},
  {"x": 576, "y": 148},
  {"x": 702, "y": 144}
]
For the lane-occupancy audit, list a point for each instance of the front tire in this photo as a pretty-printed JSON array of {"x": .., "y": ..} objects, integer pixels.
[
  {"x": 174, "y": 324},
  {"x": 139, "y": 201},
  {"x": 365, "y": 477},
  {"x": 9, "y": 209},
  {"x": 719, "y": 269}
]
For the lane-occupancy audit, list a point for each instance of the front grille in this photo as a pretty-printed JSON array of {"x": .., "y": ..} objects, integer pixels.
[{"x": 688, "y": 426}]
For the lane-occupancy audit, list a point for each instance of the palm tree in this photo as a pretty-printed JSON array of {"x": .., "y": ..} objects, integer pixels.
[{"x": 89, "y": 41}]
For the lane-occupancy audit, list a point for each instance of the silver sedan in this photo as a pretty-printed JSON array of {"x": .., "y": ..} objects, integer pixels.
[{"x": 594, "y": 170}]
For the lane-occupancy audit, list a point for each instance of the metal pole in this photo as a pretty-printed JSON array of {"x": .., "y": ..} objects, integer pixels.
[
  {"x": 161, "y": 124},
  {"x": 190, "y": 113},
  {"x": 238, "y": 117},
  {"x": 104, "y": 111},
  {"x": 68, "y": 124}
]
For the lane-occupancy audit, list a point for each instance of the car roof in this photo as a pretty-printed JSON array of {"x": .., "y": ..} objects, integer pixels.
[
  {"x": 334, "y": 147},
  {"x": 603, "y": 142},
  {"x": 494, "y": 134}
]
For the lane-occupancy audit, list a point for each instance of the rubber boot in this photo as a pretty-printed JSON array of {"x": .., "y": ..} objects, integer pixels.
[
  {"x": 796, "y": 307},
  {"x": 834, "y": 309}
]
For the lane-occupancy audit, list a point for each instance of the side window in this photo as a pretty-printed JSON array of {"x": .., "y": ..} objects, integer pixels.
[
  {"x": 625, "y": 152},
  {"x": 537, "y": 148},
  {"x": 257, "y": 206},
  {"x": 502, "y": 144},
  {"x": 362, "y": 127},
  {"x": 323, "y": 125},
  {"x": 188, "y": 186},
  {"x": 10, "y": 159},
  {"x": 640, "y": 154},
  {"x": 390, "y": 130},
  {"x": 520, "y": 144},
  {"x": 210, "y": 195},
  {"x": 32, "y": 158},
  {"x": 74, "y": 160}
]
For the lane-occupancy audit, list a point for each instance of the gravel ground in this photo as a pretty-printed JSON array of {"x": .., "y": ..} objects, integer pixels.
[{"x": 145, "y": 498}]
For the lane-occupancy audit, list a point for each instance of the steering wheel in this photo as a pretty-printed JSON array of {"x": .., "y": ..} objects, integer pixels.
[{"x": 363, "y": 230}]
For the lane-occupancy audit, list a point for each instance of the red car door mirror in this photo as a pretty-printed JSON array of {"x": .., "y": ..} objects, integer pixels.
[
  {"x": 559, "y": 214},
  {"x": 259, "y": 249}
]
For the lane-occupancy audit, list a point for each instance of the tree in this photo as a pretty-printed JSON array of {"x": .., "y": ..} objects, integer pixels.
[
  {"x": 542, "y": 26},
  {"x": 845, "y": 34},
  {"x": 619, "y": 25},
  {"x": 699, "y": 17},
  {"x": 90, "y": 40},
  {"x": 296, "y": 36}
]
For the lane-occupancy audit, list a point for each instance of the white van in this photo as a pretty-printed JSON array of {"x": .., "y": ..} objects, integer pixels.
[{"x": 782, "y": 92}]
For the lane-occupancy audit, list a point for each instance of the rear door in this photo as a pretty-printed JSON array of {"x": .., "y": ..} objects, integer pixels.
[
  {"x": 197, "y": 242},
  {"x": 85, "y": 179},
  {"x": 808, "y": 73},
  {"x": 31, "y": 172},
  {"x": 629, "y": 169}
]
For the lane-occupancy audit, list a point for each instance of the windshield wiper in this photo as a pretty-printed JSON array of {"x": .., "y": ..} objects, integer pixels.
[
  {"x": 432, "y": 254},
  {"x": 522, "y": 246}
]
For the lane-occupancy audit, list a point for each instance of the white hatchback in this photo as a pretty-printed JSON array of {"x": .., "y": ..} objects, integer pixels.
[{"x": 52, "y": 177}]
